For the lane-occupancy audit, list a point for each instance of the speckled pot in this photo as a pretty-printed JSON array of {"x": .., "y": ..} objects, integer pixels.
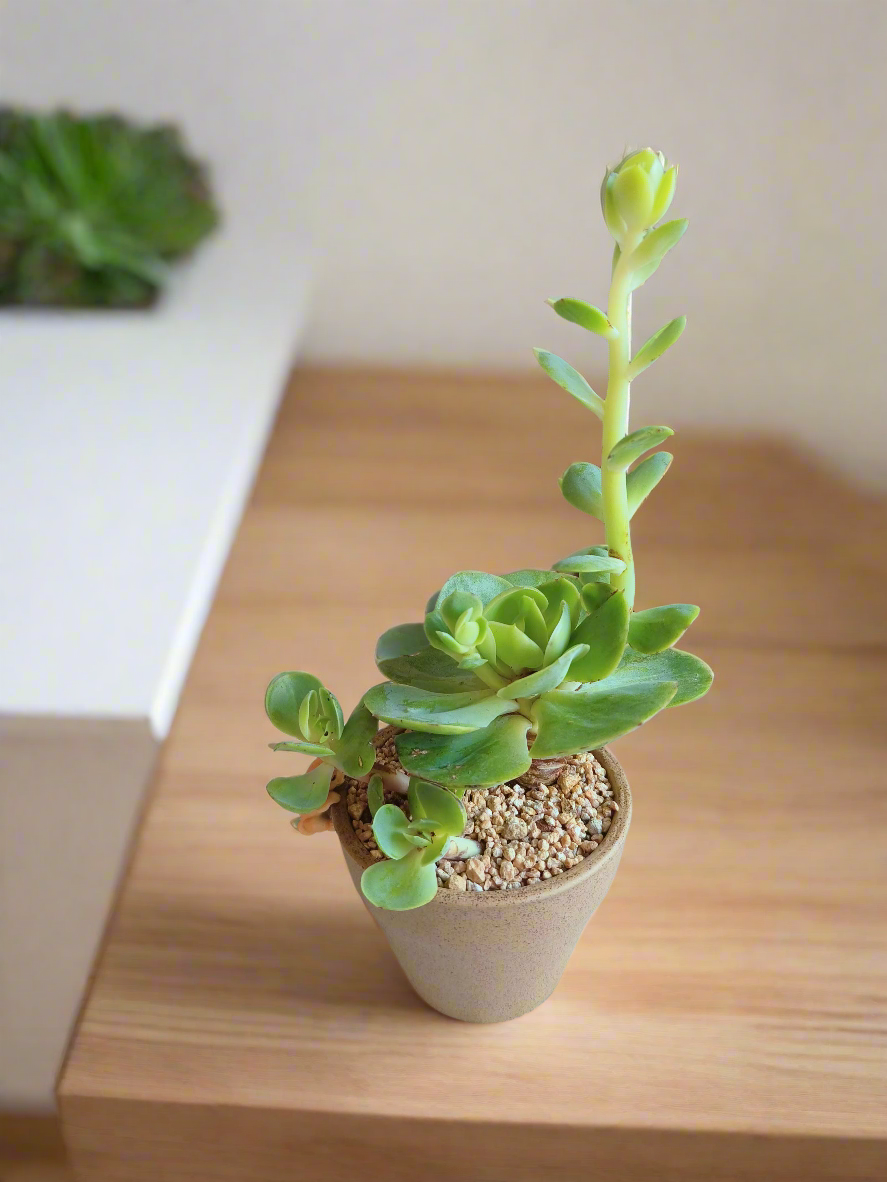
[{"x": 493, "y": 956}]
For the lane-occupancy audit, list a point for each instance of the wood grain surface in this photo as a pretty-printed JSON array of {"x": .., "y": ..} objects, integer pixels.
[{"x": 725, "y": 1014}]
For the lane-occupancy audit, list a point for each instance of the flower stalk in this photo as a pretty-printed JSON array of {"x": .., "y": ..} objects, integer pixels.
[{"x": 617, "y": 520}]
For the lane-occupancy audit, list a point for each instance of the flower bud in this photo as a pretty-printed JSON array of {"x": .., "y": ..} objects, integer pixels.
[{"x": 636, "y": 193}]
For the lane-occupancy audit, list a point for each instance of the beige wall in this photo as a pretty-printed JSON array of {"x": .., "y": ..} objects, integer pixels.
[
  {"x": 445, "y": 156},
  {"x": 70, "y": 790}
]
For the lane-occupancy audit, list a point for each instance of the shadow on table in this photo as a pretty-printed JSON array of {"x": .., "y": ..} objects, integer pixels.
[{"x": 257, "y": 959}]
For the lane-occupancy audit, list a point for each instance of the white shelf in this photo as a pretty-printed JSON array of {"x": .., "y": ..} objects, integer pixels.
[{"x": 128, "y": 445}]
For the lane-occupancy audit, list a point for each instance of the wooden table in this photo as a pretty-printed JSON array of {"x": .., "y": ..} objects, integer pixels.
[{"x": 724, "y": 1016}]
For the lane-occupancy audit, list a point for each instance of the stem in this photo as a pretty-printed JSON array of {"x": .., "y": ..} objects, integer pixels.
[{"x": 613, "y": 484}]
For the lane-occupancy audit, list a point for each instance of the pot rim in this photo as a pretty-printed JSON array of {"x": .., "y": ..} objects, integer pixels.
[{"x": 591, "y": 864}]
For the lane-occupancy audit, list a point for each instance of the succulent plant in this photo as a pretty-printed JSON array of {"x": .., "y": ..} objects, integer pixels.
[
  {"x": 510, "y": 670},
  {"x": 299, "y": 705},
  {"x": 93, "y": 209},
  {"x": 413, "y": 845}
]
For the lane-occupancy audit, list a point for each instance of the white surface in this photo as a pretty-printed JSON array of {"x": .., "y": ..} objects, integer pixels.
[
  {"x": 447, "y": 155},
  {"x": 128, "y": 443}
]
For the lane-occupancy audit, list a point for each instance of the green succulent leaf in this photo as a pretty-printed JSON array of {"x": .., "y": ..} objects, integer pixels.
[
  {"x": 355, "y": 750},
  {"x": 431, "y": 802},
  {"x": 653, "y": 248},
  {"x": 591, "y": 564},
  {"x": 631, "y": 447},
  {"x": 316, "y": 750},
  {"x": 568, "y": 721},
  {"x": 444, "y": 714},
  {"x": 514, "y": 648},
  {"x": 456, "y": 605},
  {"x": 559, "y": 591},
  {"x": 390, "y": 831},
  {"x": 283, "y": 699},
  {"x": 658, "y": 628},
  {"x": 493, "y": 755},
  {"x": 641, "y": 481},
  {"x": 605, "y": 631},
  {"x": 528, "y": 578},
  {"x": 429, "y": 669},
  {"x": 594, "y": 594},
  {"x": 302, "y": 794},
  {"x": 509, "y": 607},
  {"x": 330, "y": 712},
  {"x": 581, "y": 486},
  {"x": 400, "y": 641},
  {"x": 691, "y": 675},
  {"x": 586, "y": 316},
  {"x": 560, "y": 636},
  {"x": 375, "y": 794},
  {"x": 477, "y": 582},
  {"x": 545, "y": 679},
  {"x": 653, "y": 349},
  {"x": 402, "y": 885},
  {"x": 570, "y": 380}
]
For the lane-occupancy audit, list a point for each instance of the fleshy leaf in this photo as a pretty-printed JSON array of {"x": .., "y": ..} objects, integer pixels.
[
  {"x": 591, "y": 563},
  {"x": 631, "y": 447},
  {"x": 509, "y": 606},
  {"x": 528, "y": 578},
  {"x": 284, "y": 697},
  {"x": 581, "y": 486},
  {"x": 545, "y": 679},
  {"x": 402, "y": 885},
  {"x": 478, "y": 582},
  {"x": 657, "y": 243},
  {"x": 641, "y": 481},
  {"x": 656, "y": 346},
  {"x": 585, "y": 315},
  {"x": 605, "y": 631},
  {"x": 437, "y": 804},
  {"x": 570, "y": 380},
  {"x": 559, "y": 638},
  {"x": 401, "y": 640},
  {"x": 557, "y": 591},
  {"x": 493, "y": 755},
  {"x": 429, "y": 669},
  {"x": 375, "y": 794},
  {"x": 692, "y": 676},
  {"x": 390, "y": 831},
  {"x": 658, "y": 628},
  {"x": 514, "y": 647},
  {"x": 355, "y": 751},
  {"x": 594, "y": 594},
  {"x": 316, "y": 750},
  {"x": 569, "y": 721},
  {"x": 443, "y": 714},
  {"x": 302, "y": 794}
]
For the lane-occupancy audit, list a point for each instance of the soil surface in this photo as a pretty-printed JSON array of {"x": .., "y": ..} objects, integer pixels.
[{"x": 533, "y": 828}]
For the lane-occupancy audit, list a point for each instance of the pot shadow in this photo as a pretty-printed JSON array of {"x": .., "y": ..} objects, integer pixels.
[{"x": 258, "y": 958}]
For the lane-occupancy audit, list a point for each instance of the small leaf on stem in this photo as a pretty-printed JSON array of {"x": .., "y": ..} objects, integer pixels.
[
  {"x": 631, "y": 447},
  {"x": 586, "y": 316},
  {"x": 570, "y": 380},
  {"x": 656, "y": 346}
]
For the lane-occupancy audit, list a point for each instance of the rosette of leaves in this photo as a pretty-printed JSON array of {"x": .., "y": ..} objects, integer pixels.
[
  {"x": 301, "y": 706},
  {"x": 529, "y": 665},
  {"x": 413, "y": 845},
  {"x": 93, "y": 209}
]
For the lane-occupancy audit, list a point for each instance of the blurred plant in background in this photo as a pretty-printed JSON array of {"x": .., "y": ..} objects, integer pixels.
[{"x": 93, "y": 209}]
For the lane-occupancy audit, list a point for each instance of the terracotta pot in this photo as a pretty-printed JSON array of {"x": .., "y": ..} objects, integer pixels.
[{"x": 491, "y": 956}]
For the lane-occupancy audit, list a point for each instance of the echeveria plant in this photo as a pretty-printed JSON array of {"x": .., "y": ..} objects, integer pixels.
[
  {"x": 93, "y": 209},
  {"x": 535, "y": 664}
]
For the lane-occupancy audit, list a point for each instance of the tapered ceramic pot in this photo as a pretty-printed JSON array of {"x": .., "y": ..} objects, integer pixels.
[{"x": 491, "y": 956}]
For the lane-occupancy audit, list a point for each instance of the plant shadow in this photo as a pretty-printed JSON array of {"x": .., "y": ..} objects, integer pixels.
[{"x": 249, "y": 957}]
